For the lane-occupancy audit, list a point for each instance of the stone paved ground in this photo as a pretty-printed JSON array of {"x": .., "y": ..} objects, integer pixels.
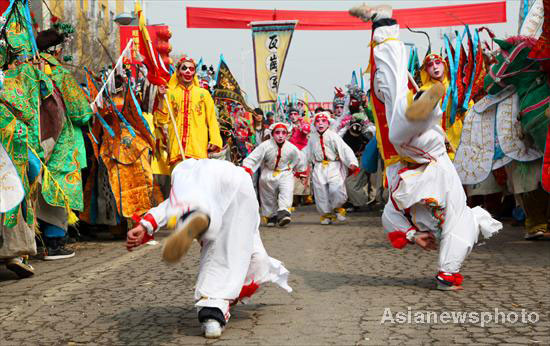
[{"x": 344, "y": 278}]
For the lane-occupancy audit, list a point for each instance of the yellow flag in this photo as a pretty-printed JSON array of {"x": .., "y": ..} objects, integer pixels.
[{"x": 271, "y": 41}]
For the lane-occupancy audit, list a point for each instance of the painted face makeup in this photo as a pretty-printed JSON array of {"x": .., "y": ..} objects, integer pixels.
[
  {"x": 280, "y": 135},
  {"x": 436, "y": 69},
  {"x": 339, "y": 110},
  {"x": 186, "y": 72},
  {"x": 321, "y": 124}
]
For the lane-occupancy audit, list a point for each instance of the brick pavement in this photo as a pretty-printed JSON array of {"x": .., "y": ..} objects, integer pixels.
[{"x": 344, "y": 277}]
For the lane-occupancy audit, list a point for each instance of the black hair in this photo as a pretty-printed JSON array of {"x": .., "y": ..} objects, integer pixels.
[{"x": 258, "y": 111}]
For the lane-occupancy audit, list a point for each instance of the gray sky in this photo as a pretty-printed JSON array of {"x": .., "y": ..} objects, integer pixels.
[{"x": 317, "y": 60}]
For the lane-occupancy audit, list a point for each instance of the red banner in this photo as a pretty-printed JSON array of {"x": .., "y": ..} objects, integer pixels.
[
  {"x": 324, "y": 105},
  {"x": 428, "y": 17},
  {"x": 4, "y": 4},
  {"x": 128, "y": 32}
]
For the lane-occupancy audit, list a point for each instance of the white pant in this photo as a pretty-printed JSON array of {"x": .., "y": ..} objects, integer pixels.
[
  {"x": 276, "y": 191},
  {"x": 232, "y": 253},
  {"x": 328, "y": 185},
  {"x": 431, "y": 198}
]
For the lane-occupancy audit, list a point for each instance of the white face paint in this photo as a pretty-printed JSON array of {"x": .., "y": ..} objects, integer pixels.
[
  {"x": 280, "y": 135},
  {"x": 321, "y": 124},
  {"x": 186, "y": 72},
  {"x": 436, "y": 69}
]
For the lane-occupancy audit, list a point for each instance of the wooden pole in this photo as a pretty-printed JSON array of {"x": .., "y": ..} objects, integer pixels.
[{"x": 182, "y": 152}]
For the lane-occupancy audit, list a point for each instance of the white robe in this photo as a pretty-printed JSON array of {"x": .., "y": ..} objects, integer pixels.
[
  {"x": 277, "y": 179},
  {"x": 232, "y": 253},
  {"x": 330, "y": 160},
  {"x": 428, "y": 196},
  {"x": 11, "y": 187}
]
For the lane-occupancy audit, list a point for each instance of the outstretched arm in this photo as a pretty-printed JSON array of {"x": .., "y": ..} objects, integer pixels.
[
  {"x": 256, "y": 157},
  {"x": 150, "y": 223}
]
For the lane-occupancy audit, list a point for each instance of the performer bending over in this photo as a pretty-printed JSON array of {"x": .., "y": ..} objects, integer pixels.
[
  {"x": 278, "y": 158},
  {"x": 214, "y": 202},
  {"x": 330, "y": 156},
  {"x": 427, "y": 201}
]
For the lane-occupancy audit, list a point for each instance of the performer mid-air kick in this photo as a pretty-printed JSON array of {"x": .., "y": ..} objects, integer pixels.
[{"x": 427, "y": 201}]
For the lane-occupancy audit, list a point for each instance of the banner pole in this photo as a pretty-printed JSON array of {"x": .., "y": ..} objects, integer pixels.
[{"x": 180, "y": 145}]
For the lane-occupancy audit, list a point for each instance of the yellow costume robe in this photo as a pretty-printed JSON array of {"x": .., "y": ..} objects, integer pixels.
[{"x": 196, "y": 121}]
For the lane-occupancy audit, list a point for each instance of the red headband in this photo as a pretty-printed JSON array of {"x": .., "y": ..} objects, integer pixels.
[
  {"x": 185, "y": 58},
  {"x": 280, "y": 126},
  {"x": 433, "y": 57},
  {"x": 322, "y": 115}
]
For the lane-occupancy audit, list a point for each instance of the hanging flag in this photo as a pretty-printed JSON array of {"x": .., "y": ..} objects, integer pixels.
[
  {"x": 227, "y": 87},
  {"x": 157, "y": 72},
  {"x": 271, "y": 41}
]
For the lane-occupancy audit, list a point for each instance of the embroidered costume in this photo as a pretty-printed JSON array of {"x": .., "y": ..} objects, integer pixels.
[
  {"x": 195, "y": 116},
  {"x": 426, "y": 194}
]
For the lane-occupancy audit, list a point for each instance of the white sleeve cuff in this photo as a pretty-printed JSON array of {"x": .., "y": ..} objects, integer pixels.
[
  {"x": 410, "y": 236},
  {"x": 148, "y": 226}
]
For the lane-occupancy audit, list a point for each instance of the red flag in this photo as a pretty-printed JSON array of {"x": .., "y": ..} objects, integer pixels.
[{"x": 157, "y": 73}]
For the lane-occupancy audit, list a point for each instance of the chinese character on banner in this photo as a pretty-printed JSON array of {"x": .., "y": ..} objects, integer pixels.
[
  {"x": 271, "y": 41},
  {"x": 272, "y": 83}
]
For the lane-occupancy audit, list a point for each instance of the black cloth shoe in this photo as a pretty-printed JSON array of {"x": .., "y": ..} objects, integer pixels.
[
  {"x": 271, "y": 221},
  {"x": 56, "y": 249},
  {"x": 283, "y": 218},
  {"x": 211, "y": 313}
]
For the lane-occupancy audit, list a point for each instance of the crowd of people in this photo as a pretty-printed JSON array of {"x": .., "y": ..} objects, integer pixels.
[{"x": 120, "y": 153}]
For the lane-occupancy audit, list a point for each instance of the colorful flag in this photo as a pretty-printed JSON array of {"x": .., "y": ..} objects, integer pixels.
[
  {"x": 227, "y": 87},
  {"x": 157, "y": 73},
  {"x": 271, "y": 41}
]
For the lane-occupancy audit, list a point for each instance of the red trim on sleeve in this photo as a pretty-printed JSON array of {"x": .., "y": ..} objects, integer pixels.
[
  {"x": 398, "y": 239},
  {"x": 152, "y": 221},
  {"x": 248, "y": 170},
  {"x": 136, "y": 218}
]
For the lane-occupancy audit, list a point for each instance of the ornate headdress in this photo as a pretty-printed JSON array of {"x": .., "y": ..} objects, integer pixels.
[
  {"x": 432, "y": 57},
  {"x": 424, "y": 76},
  {"x": 339, "y": 97},
  {"x": 185, "y": 58}
]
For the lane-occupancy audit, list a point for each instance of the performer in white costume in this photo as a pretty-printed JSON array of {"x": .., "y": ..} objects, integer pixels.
[
  {"x": 427, "y": 201},
  {"x": 330, "y": 157},
  {"x": 214, "y": 202},
  {"x": 278, "y": 159}
]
